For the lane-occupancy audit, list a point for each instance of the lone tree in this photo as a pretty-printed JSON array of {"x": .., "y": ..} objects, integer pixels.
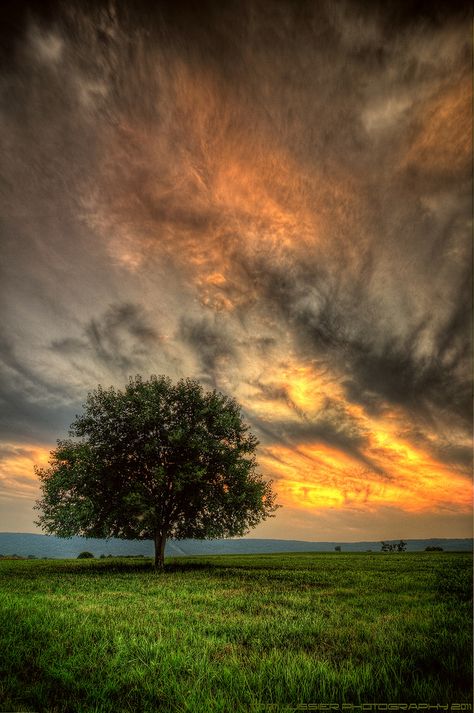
[{"x": 155, "y": 460}]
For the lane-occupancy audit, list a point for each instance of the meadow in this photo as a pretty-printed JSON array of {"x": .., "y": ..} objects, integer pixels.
[{"x": 236, "y": 633}]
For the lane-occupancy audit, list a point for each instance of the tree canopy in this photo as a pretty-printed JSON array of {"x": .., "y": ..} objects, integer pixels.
[{"x": 155, "y": 460}]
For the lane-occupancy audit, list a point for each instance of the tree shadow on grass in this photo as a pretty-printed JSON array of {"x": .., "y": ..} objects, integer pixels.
[
  {"x": 242, "y": 571},
  {"x": 80, "y": 568},
  {"x": 93, "y": 567},
  {"x": 144, "y": 567}
]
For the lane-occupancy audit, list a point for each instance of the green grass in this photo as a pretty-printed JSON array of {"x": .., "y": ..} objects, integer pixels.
[{"x": 232, "y": 633}]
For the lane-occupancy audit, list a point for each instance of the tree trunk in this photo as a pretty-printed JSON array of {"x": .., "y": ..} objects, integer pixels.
[{"x": 160, "y": 541}]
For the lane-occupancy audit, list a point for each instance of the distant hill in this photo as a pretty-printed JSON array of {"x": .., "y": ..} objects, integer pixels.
[{"x": 24, "y": 544}]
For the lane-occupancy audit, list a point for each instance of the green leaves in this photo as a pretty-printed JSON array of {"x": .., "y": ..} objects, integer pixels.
[{"x": 155, "y": 457}]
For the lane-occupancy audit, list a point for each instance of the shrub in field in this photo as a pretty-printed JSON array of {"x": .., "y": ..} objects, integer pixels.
[
  {"x": 433, "y": 548},
  {"x": 85, "y": 555},
  {"x": 394, "y": 547}
]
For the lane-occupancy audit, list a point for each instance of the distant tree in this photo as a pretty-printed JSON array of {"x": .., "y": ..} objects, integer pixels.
[
  {"x": 85, "y": 555},
  {"x": 394, "y": 547},
  {"x": 338, "y": 548},
  {"x": 155, "y": 460},
  {"x": 433, "y": 548}
]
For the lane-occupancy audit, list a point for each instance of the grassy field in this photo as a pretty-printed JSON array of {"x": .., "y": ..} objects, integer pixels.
[{"x": 235, "y": 633}]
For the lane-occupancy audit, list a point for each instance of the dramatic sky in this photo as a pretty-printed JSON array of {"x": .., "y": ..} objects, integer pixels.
[{"x": 273, "y": 197}]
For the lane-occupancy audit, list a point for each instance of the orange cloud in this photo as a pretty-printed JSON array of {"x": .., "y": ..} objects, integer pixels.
[
  {"x": 443, "y": 142},
  {"x": 316, "y": 476},
  {"x": 312, "y": 474},
  {"x": 206, "y": 178},
  {"x": 17, "y": 478}
]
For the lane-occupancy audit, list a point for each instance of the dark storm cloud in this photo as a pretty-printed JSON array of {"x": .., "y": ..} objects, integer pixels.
[
  {"x": 457, "y": 456},
  {"x": 397, "y": 376},
  {"x": 211, "y": 343},
  {"x": 426, "y": 366},
  {"x": 32, "y": 408},
  {"x": 333, "y": 427},
  {"x": 37, "y": 407},
  {"x": 120, "y": 338},
  {"x": 27, "y": 419},
  {"x": 454, "y": 454},
  {"x": 271, "y": 392},
  {"x": 322, "y": 431}
]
